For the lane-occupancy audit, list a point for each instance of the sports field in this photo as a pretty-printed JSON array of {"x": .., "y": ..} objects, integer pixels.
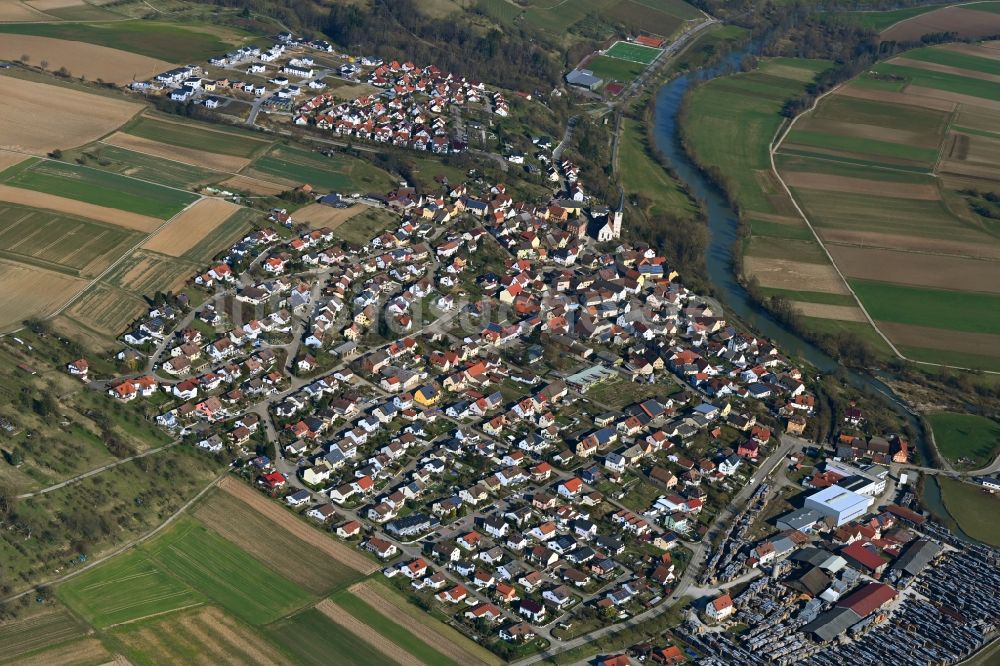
[
  {"x": 613, "y": 69},
  {"x": 124, "y": 589},
  {"x": 101, "y": 188},
  {"x": 633, "y": 52},
  {"x": 224, "y": 573},
  {"x": 966, "y": 440}
]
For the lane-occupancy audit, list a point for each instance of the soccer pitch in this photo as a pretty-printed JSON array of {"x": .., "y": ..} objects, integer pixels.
[{"x": 632, "y": 52}]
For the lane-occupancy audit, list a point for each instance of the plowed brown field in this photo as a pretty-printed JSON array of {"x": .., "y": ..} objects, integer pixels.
[
  {"x": 188, "y": 228},
  {"x": 90, "y": 61}
]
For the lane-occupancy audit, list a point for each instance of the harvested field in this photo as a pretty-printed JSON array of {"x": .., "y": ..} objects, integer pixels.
[
  {"x": 14, "y": 11},
  {"x": 826, "y": 311},
  {"x": 908, "y": 98},
  {"x": 923, "y": 270},
  {"x": 187, "y": 229},
  {"x": 964, "y": 22},
  {"x": 367, "y": 634},
  {"x": 946, "y": 69},
  {"x": 38, "y": 118},
  {"x": 939, "y": 338},
  {"x": 375, "y": 595},
  {"x": 787, "y": 274},
  {"x": 302, "y": 563},
  {"x": 45, "y": 5},
  {"x": 981, "y": 50},
  {"x": 192, "y": 156},
  {"x": 9, "y": 159},
  {"x": 106, "y": 310},
  {"x": 38, "y": 632},
  {"x": 147, "y": 273},
  {"x": 87, "y": 651},
  {"x": 958, "y": 98},
  {"x": 338, "y": 551},
  {"x": 983, "y": 250},
  {"x": 207, "y": 636},
  {"x": 122, "y": 218},
  {"x": 319, "y": 215},
  {"x": 253, "y": 185},
  {"x": 90, "y": 61},
  {"x": 820, "y": 181},
  {"x": 30, "y": 292}
]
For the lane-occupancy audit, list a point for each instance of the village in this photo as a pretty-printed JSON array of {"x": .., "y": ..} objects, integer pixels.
[
  {"x": 304, "y": 82},
  {"x": 536, "y": 427}
]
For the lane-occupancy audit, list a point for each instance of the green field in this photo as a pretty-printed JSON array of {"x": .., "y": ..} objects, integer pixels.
[
  {"x": 189, "y": 135},
  {"x": 643, "y": 175},
  {"x": 728, "y": 124},
  {"x": 224, "y": 573},
  {"x": 890, "y": 153},
  {"x": 142, "y": 166},
  {"x": 101, "y": 188},
  {"x": 966, "y": 436},
  {"x": 151, "y": 273},
  {"x": 632, "y": 52},
  {"x": 612, "y": 69},
  {"x": 955, "y": 310},
  {"x": 340, "y": 173},
  {"x": 949, "y": 82},
  {"x": 841, "y": 110},
  {"x": 943, "y": 56},
  {"x": 953, "y": 358},
  {"x": 39, "y": 632},
  {"x": 312, "y": 638},
  {"x": 157, "y": 39},
  {"x": 393, "y": 630},
  {"x": 363, "y": 227},
  {"x": 126, "y": 588},
  {"x": 882, "y": 20},
  {"x": 791, "y": 161},
  {"x": 810, "y": 296},
  {"x": 972, "y": 509},
  {"x": 73, "y": 245}
]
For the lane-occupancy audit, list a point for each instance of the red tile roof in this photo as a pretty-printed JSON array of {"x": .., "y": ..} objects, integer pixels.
[{"x": 868, "y": 599}]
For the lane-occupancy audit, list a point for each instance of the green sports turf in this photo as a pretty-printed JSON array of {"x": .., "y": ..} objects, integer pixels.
[{"x": 632, "y": 52}]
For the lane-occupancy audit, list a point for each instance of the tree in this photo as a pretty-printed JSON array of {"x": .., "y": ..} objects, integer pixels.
[
  {"x": 25, "y": 58},
  {"x": 44, "y": 64}
]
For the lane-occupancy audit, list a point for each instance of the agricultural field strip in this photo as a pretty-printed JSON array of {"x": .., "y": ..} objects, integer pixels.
[
  {"x": 168, "y": 159},
  {"x": 775, "y": 145}
]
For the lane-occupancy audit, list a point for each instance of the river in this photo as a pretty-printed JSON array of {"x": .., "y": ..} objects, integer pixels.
[{"x": 722, "y": 227}]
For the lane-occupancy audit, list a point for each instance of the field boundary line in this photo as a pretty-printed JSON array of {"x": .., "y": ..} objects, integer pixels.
[
  {"x": 378, "y": 642},
  {"x": 146, "y": 617},
  {"x": 127, "y": 545},
  {"x": 776, "y": 142}
]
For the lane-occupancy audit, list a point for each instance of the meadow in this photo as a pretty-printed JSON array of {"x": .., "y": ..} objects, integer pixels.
[
  {"x": 190, "y": 135},
  {"x": 106, "y": 310},
  {"x": 98, "y": 187},
  {"x": 124, "y": 589},
  {"x": 972, "y": 508},
  {"x": 950, "y": 58},
  {"x": 339, "y": 173},
  {"x": 962, "y": 85},
  {"x": 363, "y": 227},
  {"x": 975, "y": 439},
  {"x": 72, "y": 245},
  {"x": 643, "y": 175},
  {"x": 224, "y": 573},
  {"x": 223, "y": 236},
  {"x": 172, "y": 42}
]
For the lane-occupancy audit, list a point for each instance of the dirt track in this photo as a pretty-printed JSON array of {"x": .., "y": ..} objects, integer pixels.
[
  {"x": 369, "y": 593},
  {"x": 367, "y": 634},
  {"x": 90, "y": 61},
  {"x": 338, "y": 551},
  {"x": 193, "y": 224},
  {"x": 122, "y": 218}
]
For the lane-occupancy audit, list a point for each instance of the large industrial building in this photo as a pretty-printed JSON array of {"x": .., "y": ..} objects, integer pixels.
[{"x": 839, "y": 505}]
